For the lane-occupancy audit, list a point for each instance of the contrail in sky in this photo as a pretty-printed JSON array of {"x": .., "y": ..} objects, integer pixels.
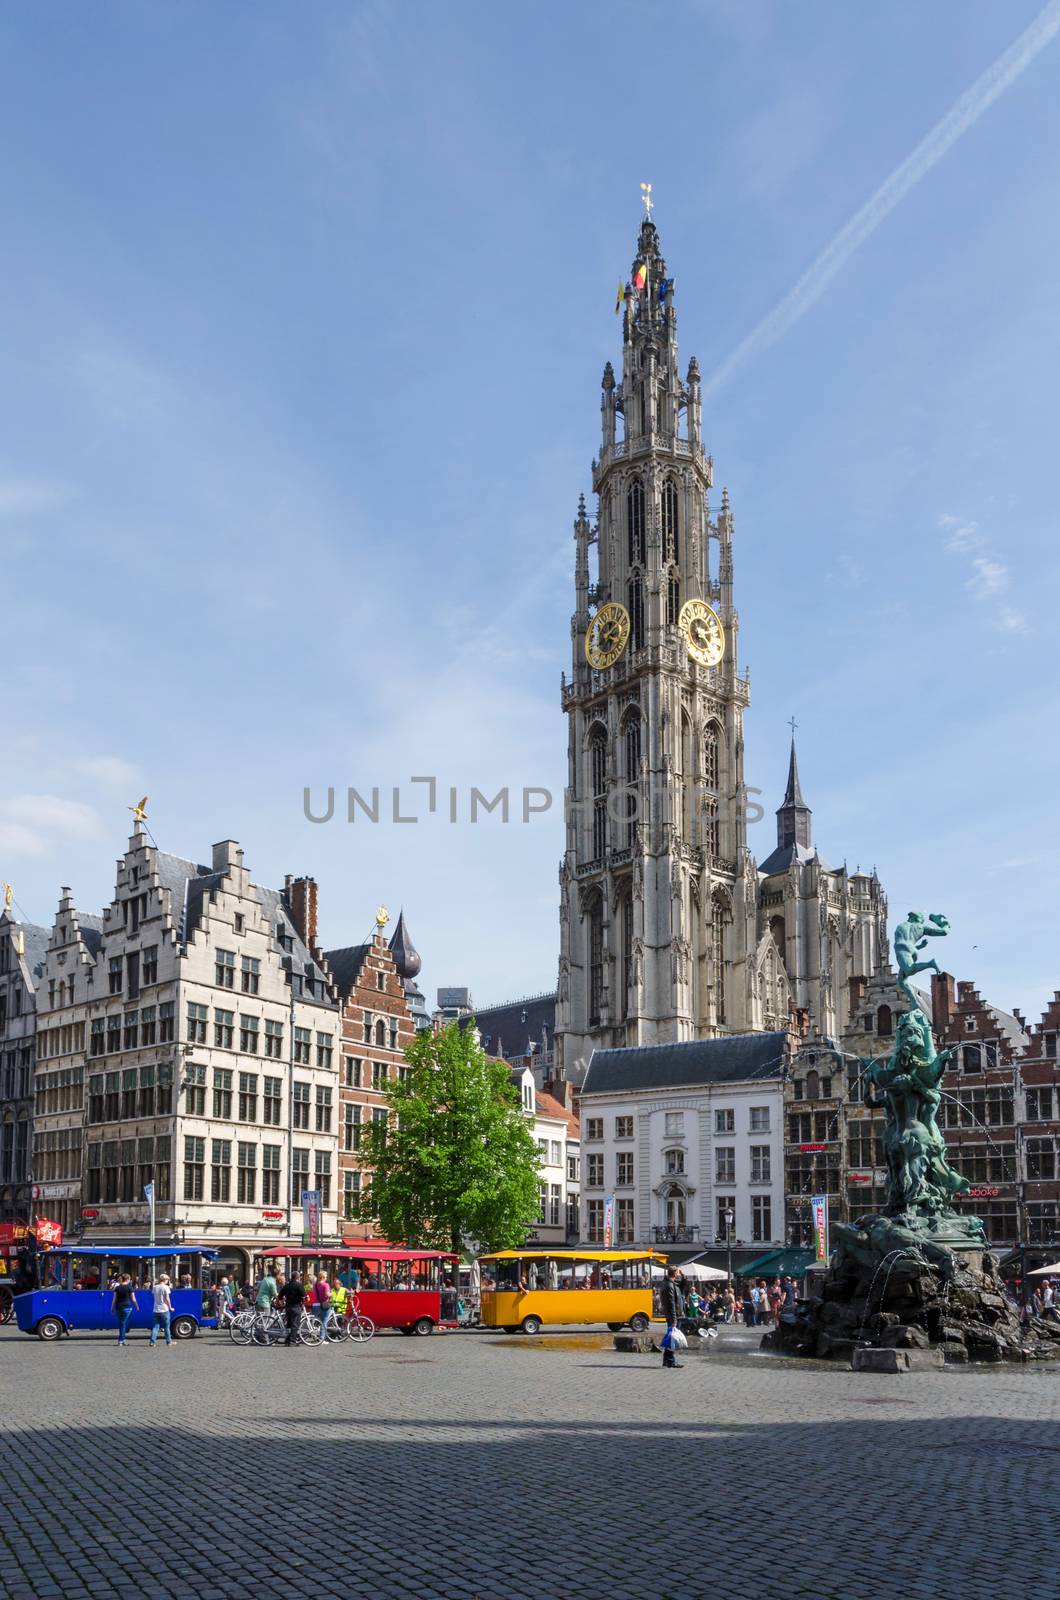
[{"x": 961, "y": 116}]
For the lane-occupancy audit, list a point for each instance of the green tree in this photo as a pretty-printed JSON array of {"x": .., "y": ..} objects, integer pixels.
[{"x": 457, "y": 1160}]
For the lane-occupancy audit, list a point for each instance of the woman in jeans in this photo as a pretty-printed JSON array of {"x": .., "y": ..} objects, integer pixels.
[
  {"x": 162, "y": 1309},
  {"x": 123, "y": 1304}
]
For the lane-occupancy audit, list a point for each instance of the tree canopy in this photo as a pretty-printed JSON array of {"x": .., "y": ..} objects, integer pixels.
[{"x": 457, "y": 1162}]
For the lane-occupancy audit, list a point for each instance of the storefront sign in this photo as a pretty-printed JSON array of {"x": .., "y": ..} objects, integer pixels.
[
  {"x": 56, "y": 1191},
  {"x": 819, "y": 1212},
  {"x": 311, "y": 1216},
  {"x": 809, "y": 1149},
  {"x": 982, "y": 1193},
  {"x": 90, "y": 1213},
  {"x": 859, "y": 1177},
  {"x": 272, "y": 1216}
]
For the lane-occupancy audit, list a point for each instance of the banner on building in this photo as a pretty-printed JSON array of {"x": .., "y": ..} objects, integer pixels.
[
  {"x": 149, "y": 1196},
  {"x": 311, "y": 1216},
  {"x": 48, "y": 1232},
  {"x": 819, "y": 1212},
  {"x": 609, "y": 1221}
]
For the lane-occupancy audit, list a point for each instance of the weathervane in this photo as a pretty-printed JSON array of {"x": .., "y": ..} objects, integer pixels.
[{"x": 645, "y": 194}]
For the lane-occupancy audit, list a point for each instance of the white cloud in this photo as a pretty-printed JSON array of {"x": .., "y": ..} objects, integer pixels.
[
  {"x": 37, "y": 824},
  {"x": 961, "y": 116},
  {"x": 988, "y": 578},
  {"x": 960, "y": 536},
  {"x": 112, "y": 772},
  {"x": 1008, "y": 620}
]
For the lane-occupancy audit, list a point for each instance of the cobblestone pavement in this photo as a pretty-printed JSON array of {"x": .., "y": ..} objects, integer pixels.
[{"x": 479, "y": 1466}]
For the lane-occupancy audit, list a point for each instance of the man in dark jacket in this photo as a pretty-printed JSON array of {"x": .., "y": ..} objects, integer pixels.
[
  {"x": 291, "y": 1295},
  {"x": 672, "y": 1306}
]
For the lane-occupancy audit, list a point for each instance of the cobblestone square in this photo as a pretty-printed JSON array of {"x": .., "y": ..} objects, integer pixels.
[{"x": 489, "y": 1468}]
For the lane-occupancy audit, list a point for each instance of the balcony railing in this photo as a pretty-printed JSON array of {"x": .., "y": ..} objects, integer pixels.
[{"x": 675, "y": 1233}]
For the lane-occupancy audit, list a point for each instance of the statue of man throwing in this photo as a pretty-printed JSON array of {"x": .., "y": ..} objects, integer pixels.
[{"x": 909, "y": 937}]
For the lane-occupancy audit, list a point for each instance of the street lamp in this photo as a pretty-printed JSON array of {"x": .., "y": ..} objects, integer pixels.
[{"x": 730, "y": 1218}]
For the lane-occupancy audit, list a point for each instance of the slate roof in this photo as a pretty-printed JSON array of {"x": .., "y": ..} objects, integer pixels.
[
  {"x": 507, "y": 1029},
  {"x": 36, "y": 947},
  {"x": 737, "y": 1058},
  {"x": 296, "y": 957},
  {"x": 173, "y": 874},
  {"x": 345, "y": 965},
  {"x": 783, "y": 855}
]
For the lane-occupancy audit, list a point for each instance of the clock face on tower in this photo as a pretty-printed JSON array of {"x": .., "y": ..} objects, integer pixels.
[
  {"x": 700, "y": 626},
  {"x": 608, "y": 635}
]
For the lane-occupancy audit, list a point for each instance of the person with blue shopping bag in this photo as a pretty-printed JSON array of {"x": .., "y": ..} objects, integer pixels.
[{"x": 672, "y": 1307}]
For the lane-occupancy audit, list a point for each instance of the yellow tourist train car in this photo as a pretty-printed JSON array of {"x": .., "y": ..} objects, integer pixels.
[{"x": 522, "y": 1289}]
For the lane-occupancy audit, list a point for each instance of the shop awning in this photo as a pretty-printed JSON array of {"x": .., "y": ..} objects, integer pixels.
[{"x": 777, "y": 1264}]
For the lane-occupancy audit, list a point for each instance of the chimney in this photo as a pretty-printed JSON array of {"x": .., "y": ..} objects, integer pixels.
[
  {"x": 943, "y": 1001},
  {"x": 227, "y": 855},
  {"x": 301, "y": 896}
]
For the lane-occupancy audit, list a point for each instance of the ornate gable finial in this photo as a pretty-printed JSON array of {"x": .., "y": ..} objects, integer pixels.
[{"x": 645, "y": 195}]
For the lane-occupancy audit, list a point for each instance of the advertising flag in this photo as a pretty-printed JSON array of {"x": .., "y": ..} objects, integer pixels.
[
  {"x": 819, "y": 1212},
  {"x": 311, "y": 1216},
  {"x": 609, "y": 1221}
]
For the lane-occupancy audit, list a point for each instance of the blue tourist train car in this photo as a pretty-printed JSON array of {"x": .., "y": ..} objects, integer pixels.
[{"x": 75, "y": 1288}]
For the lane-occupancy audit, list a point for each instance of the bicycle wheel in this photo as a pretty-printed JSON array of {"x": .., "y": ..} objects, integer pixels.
[
  {"x": 241, "y": 1328},
  {"x": 361, "y": 1329},
  {"x": 337, "y": 1329},
  {"x": 311, "y": 1331},
  {"x": 269, "y": 1328}
]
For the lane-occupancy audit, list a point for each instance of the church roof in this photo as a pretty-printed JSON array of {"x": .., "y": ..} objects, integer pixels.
[
  {"x": 782, "y": 857},
  {"x": 793, "y": 792},
  {"x": 734, "y": 1058},
  {"x": 507, "y": 1029},
  {"x": 406, "y": 956}
]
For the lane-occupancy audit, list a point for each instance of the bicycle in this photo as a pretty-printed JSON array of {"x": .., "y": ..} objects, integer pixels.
[{"x": 354, "y": 1325}]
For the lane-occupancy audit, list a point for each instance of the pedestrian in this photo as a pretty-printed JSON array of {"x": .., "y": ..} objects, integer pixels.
[
  {"x": 123, "y": 1303},
  {"x": 267, "y": 1291},
  {"x": 671, "y": 1309},
  {"x": 748, "y": 1307},
  {"x": 291, "y": 1296},
  {"x": 320, "y": 1299},
  {"x": 730, "y": 1303},
  {"x": 776, "y": 1300},
  {"x": 788, "y": 1286},
  {"x": 340, "y": 1297},
  {"x": 162, "y": 1309}
]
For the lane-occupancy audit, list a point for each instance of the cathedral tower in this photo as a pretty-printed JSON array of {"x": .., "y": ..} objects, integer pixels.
[{"x": 658, "y": 890}]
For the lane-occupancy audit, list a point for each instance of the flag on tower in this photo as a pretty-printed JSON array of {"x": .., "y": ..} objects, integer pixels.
[
  {"x": 640, "y": 275},
  {"x": 619, "y": 297},
  {"x": 665, "y": 285}
]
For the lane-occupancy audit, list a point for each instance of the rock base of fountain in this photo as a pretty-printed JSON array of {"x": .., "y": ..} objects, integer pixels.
[{"x": 939, "y": 1297}]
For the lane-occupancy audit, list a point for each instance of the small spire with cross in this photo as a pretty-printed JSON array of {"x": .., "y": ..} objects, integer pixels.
[
  {"x": 792, "y": 724},
  {"x": 645, "y": 194}
]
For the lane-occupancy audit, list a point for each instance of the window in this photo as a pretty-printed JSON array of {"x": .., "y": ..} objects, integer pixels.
[
  {"x": 351, "y": 1195},
  {"x": 221, "y": 1170},
  {"x": 594, "y": 1127},
  {"x": 353, "y": 1072},
  {"x": 113, "y": 1033},
  {"x": 572, "y": 1169},
  {"x": 368, "y": 1027},
  {"x": 884, "y": 1022},
  {"x": 759, "y": 1119},
  {"x": 759, "y": 1163},
  {"x": 864, "y": 1145},
  {"x": 380, "y": 1034},
  {"x": 194, "y": 1166},
  {"x": 270, "y": 1175},
  {"x": 594, "y": 1221},
  {"x": 222, "y": 1093},
  {"x": 635, "y": 521},
  {"x": 826, "y": 1088},
  {"x": 224, "y": 1023},
  {"x": 542, "y": 1149},
  {"x": 195, "y": 1083},
  {"x": 196, "y": 1024},
  {"x": 596, "y": 949},
  {"x": 322, "y": 1174},
  {"x": 248, "y": 1035},
  {"x": 726, "y": 1215},
  {"x": 248, "y": 1097},
  {"x": 1050, "y": 1046},
  {"x": 324, "y": 1044},
  {"x": 971, "y": 1058},
  {"x": 379, "y": 1117},
  {"x": 380, "y": 980},
  {"x": 379, "y": 1074},
  {"x": 299, "y": 1174},
  {"x": 303, "y": 1040},
  {"x": 273, "y": 1039},
  {"x": 246, "y": 1176},
  {"x": 594, "y": 1171},
  {"x": 1040, "y": 1105},
  {"x": 991, "y": 1057},
  {"x": 352, "y": 1127},
  {"x": 238, "y": 922},
  {"x": 724, "y": 1164},
  {"x": 624, "y": 1225},
  {"x": 272, "y": 1104},
  {"x": 146, "y": 1103},
  {"x": 1041, "y": 1158},
  {"x": 128, "y": 1093},
  {"x": 114, "y": 974},
  {"x": 250, "y": 975},
  {"x": 323, "y": 1108},
  {"x": 725, "y": 1121},
  {"x": 147, "y": 1025},
  {"x": 225, "y": 969},
  {"x": 624, "y": 1170},
  {"x": 166, "y": 1020},
  {"x": 623, "y": 1127},
  {"x": 761, "y": 1218},
  {"x": 300, "y": 1112},
  {"x": 675, "y": 1125},
  {"x": 675, "y": 1160},
  {"x": 96, "y": 1045},
  {"x": 132, "y": 975},
  {"x": 555, "y": 1156}
]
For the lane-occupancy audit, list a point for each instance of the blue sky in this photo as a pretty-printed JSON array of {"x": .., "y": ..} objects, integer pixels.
[{"x": 304, "y": 317}]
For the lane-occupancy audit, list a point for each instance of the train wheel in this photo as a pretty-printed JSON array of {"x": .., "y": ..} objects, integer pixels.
[
  {"x": 49, "y": 1329},
  {"x": 531, "y": 1325},
  {"x": 638, "y": 1323},
  {"x": 184, "y": 1328}
]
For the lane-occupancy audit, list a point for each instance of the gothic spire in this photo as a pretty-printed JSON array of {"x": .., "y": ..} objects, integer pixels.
[
  {"x": 406, "y": 956},
  {"x": 793, "y": 815}
]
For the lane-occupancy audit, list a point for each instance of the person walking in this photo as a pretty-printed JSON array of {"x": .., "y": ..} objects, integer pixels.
[
  {"x": 162, "y": 1309},
  {"x": 291, "y": 1295},
  {"x": 671, "y": 1305},
  {"x": 267, "y": 1292},
  {"x": 320, "y": 1296},
  {"x": 123, "y": 1303}
]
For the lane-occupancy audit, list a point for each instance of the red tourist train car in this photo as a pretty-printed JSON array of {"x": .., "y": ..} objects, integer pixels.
[{"x": 397, "y": 1287}]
